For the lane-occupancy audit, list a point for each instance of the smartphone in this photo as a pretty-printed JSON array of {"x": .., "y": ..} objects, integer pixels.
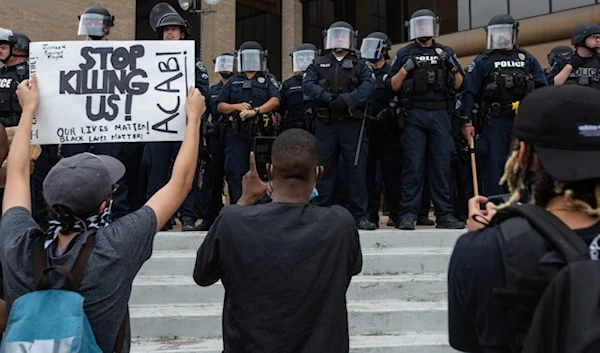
[
  {"x": 498, "y": 199},
  {"x": 263, "y": 145}
]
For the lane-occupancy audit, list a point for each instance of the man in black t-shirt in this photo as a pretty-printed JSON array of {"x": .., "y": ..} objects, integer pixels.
[
  {"x": 557, "y": 152},
  {"x": 285, "y": 265}
]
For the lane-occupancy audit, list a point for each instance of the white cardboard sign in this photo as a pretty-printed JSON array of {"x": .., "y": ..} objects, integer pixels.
[{"x": 111, "y": 91}]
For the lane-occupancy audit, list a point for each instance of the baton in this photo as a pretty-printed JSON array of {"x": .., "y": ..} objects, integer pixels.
[
  {"x": 473, "y": 165},
  {"x": 359, "y": 143}
]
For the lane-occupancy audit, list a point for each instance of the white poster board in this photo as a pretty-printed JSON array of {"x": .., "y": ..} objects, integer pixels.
[{"x": 111, "y": 91}]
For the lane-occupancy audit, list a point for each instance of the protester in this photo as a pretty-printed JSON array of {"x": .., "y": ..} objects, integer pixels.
[
  {"x": 79, "y": 191},
  {"x": 559, "y": 157},
  {"x": 285, "y": 265}
]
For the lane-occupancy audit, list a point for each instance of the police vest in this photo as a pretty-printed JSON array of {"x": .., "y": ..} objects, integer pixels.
[
  {"x": 10, "y": 77},
  {"x": 430, "y": 73},
  {"x": 296, "y": 106},
  {"x": 254, "y": 91},
  {"x": 588, "y": 74},
  {"x": 509, "y": 80},
  {"x": 335, "y": 77}
]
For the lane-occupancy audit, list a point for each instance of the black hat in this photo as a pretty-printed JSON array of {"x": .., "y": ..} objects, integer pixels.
[
  {"x": 581, "y": 32},
  {"x": 563, "y": 124}
]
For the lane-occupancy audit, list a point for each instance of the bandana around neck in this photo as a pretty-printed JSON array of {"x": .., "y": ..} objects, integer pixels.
[{"x": 81, "y": 225}]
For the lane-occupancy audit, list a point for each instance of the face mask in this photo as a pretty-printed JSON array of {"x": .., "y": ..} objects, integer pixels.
[
  {"x": 423, "y": 40},
  {"x": 225, "y": 75},
  {"x": 373, "y": 61}
]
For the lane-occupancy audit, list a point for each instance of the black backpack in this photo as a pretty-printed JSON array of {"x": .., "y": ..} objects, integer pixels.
[{"x": 547, "y": 283}]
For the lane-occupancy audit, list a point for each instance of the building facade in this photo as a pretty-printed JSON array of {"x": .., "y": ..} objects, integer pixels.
[{"x": 280, "y": 25}]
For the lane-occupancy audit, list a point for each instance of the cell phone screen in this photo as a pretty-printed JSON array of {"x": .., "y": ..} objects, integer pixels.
[{"x": 263, "y": 145}]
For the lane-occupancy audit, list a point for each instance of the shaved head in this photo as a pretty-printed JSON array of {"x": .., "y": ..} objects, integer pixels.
[{"x": 295, "y": 155}]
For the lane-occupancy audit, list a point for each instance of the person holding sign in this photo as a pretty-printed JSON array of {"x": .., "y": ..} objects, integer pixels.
[
  {"x": 247, "y": 98},
  {"x": 79, "y": 191},
  {"x": 159, "y": 156}
]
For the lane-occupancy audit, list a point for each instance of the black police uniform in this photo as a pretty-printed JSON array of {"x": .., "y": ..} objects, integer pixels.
[
  {"x": 498, "y": 79},
  {"x": 384, "y": 147},
  {"x": 160, "y": 156},
  {"x": 211, "y": 190},
  {"x": 586, "y": 75},
  {"x": 294, "y": 106},
  {"x": 351, "y": 79},
  {"x": 10, "y": 77},
  {"x": 427, "y": 139},
  {"x": 240, "y": 135}
]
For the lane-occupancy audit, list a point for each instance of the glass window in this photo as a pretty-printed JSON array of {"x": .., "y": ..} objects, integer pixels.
[
  {"x": 483, "y": 10},
  {"x": 522, "y": 9},
  {"x": 560, "y": 5}
]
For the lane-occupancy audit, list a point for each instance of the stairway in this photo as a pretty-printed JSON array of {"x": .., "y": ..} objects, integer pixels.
[{"x": 398, "y": 304}]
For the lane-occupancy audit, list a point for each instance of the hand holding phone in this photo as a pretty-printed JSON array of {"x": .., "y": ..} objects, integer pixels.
[{"x": 263, "y": 146}]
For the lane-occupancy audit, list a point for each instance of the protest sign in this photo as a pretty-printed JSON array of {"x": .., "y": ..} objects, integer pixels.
[{"x": 111, "y": 91}]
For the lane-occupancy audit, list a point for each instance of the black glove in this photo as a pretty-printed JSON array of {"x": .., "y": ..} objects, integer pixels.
[
  {"x": 577, "y": 61},
  {"x": 338, "y": 106},
  {"x": 409, "y": 65},
  {"x": 448, "y": 60}
]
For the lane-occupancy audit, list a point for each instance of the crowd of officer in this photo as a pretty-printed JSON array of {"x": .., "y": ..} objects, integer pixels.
[{"x": 402, "y": 129}]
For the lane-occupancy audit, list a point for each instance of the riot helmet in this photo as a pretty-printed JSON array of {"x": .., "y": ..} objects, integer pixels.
[
  {"x": 163, "y": 15},
  {"x": 581, "y": 32},
  {"x": 95, "y": 22},
  {"x": 251, "y": 57},
  {"x": 224, "y": 63},
  {"x": 502, "y": 32},
  {"x": 14, "y": 40},
  {"x": 557, "y": 52},
  {"x": 340, "y": 35},
  {"x": 423, "y": 25},
  {"x": 303, "y": 56},
  {"x": 373, "y": 45}
]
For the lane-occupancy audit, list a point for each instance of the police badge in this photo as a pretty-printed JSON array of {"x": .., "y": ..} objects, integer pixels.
[
  {"x": 261, "y": 80},
  {"x": 521, "y": 56}
]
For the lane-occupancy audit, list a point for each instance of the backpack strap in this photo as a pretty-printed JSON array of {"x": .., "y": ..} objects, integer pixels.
[{"x": 560, "y": 237}]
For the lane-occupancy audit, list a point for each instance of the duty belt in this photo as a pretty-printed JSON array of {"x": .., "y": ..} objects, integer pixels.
[
  {"x": 497, "y": 109},
  {"x": 431, "y": 105}
]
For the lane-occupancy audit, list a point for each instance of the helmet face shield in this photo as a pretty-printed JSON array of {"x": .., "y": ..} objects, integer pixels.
[
  {"x": 302, "y": 59},
  {"x": 92, "y": 24},
  {"x": 251, "y": 60},
  {"x": 501, "y": 36},
  {"x": 339, "y": 38},
  {"x": 224, "y": 63},
  {"x": 5, "y": 35},
  {"x": 371, "y": 48},
  {"x": 423, "y": 27}
]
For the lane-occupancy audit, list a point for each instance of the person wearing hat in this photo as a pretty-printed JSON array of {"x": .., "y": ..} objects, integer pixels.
[
  {"x": 557, "y": 58},
  {"x": 427, "y": 76},
  {"x": 79, "y": 191},
  {"x": 158, "y": 157},
  {"x": 247, "y": 100},
  {"x": 95, "y": 23},
  {"x": 583, "y": 66},
  {"x": 14, "y": 52},
  {"x": 498, "y": 79},
  {"x": 211, "y": 191},
  {"x": 559, "y": 157}
]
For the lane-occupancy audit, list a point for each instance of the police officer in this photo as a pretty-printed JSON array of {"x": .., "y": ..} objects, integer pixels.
[
  {"x": 14, "y": 51},
  {"x": 95, "y": 23},
  {"x": 384, "y": 132},
  {"x": 428, "y": 75},
  {"x": 583, "y": 66},
  {"x": 248, "y": 100},
  {"x": 557, "y": 57},
  {"x": 294, "y": 106},
  {"x": 212, "y": 181},
  {"x": 160, "y": 156},
  {"x": 498, "y": 79},
  {"x": 340, "y": 84}
]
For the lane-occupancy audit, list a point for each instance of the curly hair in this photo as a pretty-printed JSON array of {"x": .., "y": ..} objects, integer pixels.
[{"x": 581, "y": 195}]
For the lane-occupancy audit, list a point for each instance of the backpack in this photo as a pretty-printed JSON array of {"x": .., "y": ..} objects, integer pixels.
[
  {"x": 53, "y": 320},
  {"x": 543, "y": 262}
]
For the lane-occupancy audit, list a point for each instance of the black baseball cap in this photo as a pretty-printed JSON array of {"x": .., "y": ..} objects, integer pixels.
[
  {"x": 563, "y": 123},
  {"x": 82, "y": 182}
]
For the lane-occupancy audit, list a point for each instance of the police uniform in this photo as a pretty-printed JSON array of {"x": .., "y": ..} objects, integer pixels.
[
  {"x": 10, "y": 77},
  {"x": 384, "y": 147},
  {"x": 160, "y": 156},
  {"x": 240, "y": 134},
  {"x": 326, "y": 79},
  {"x": 427, "y": 96},
  {"x": 212, "y": 181},
  {"x": 586, "y": 75},
  {"x": 294, "y": 106},
  {"x": 498, "y": 80}
]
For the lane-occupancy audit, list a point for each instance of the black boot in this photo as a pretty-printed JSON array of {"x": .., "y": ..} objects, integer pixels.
[{"x": 188, "y": 224}]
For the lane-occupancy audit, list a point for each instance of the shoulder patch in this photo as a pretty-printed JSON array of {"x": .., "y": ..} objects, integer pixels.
[
  {"x": 200, "y": 65},
  {"x": 471, "y": 66},
  {"x": 394, "y": 60},
  {"x": 521, "y": 56},
  {"x": 385, "y": 77},
  {"x": 373, "y": 76},
  {"x": 261, "y": 80},
  {"x": 274, "y": 81}
]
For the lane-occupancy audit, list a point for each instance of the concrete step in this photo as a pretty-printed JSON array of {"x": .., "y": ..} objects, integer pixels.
[
  {"x": 406, "y": 342},
  {"x": 375, "y": 262},
  {"x": 183, "y": 289},
  {"x": 382, "y": 238},
  {"x": 365, "y": 318}
]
